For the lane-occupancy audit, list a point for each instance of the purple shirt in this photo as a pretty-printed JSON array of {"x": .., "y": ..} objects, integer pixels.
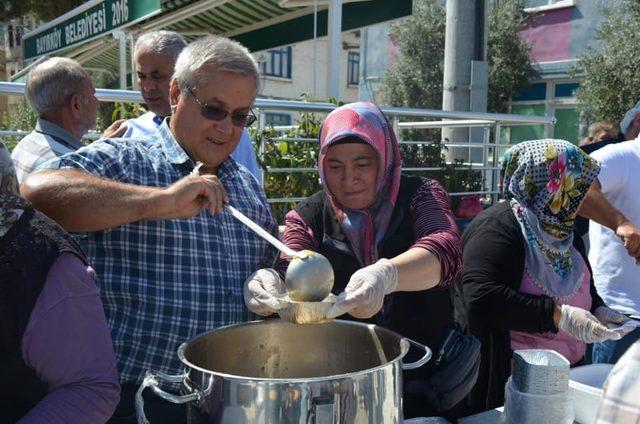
[{"x": 68, "y": 345}]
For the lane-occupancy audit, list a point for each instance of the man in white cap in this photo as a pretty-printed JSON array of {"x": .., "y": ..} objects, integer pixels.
[
  {"x": 630, "y": 124},
  {"x": 629, "y": 130},
  {"x": 614, "y": 255}
]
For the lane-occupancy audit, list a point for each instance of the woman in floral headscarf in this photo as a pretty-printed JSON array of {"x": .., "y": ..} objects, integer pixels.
[
  {"x": 382, "y": 231},
  {"x": 525, "y": 282}
]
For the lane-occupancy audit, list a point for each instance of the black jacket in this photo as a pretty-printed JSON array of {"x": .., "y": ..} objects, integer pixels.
[
  {"x": 422, "y": 316},
  {"x": 27, "y": 252},
  {"x": 488, "y": 303}
]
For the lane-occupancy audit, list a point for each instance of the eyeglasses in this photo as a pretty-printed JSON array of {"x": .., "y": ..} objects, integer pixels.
[{"x": 217, "y": 114}]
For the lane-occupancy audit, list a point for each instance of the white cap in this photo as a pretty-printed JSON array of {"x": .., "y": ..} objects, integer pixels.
[{"x": 628, "y": 117}]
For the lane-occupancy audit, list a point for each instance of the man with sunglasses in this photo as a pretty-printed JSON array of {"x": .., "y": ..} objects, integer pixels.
[
  {"x": 170, "y": 262},
  {"x": 155, "y": 56}
]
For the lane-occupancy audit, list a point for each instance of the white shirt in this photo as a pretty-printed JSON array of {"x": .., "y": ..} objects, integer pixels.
[
  {"x": 142, "y": 126},
  {"x": 149, "y": 123},
  {"x": 615, "y": 273},
  {"x": 47, "y": 141}
]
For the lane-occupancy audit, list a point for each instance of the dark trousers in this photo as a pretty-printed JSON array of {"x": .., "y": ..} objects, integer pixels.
[{"x": 156, "y": 409}]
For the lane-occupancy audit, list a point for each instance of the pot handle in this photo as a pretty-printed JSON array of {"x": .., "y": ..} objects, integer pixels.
[
  {"x": 152, "y": 379},
  {"x": 420, "y": 362}
]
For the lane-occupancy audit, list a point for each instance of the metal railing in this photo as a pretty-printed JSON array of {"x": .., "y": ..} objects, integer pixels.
[{"x": 489, "y": 123}]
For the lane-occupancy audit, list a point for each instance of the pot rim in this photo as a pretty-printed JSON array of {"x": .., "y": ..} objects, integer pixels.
[{"x": 404, "y": 349}]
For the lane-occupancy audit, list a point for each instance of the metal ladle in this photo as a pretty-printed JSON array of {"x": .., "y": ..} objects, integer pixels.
[{"x": 309, "y": 277}]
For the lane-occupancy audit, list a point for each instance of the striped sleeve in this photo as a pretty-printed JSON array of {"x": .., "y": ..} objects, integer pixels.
[
  {"x": 435, "y": 229},
  {"x": 298, "y": 235}
]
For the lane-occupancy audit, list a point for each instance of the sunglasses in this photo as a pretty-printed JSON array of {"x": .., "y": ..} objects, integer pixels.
[{"x": 214, "y": 113}]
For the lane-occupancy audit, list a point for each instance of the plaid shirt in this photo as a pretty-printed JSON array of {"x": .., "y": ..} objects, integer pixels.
[
  {"x": 164, "y": 282},
  {"x": 621, "y": 400}
]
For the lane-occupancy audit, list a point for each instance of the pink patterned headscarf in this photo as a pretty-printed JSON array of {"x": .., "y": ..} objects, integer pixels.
[{"x": 364, "y": 228}]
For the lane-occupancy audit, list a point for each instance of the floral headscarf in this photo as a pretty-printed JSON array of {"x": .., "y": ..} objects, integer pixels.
[
  {"x": 545, "y": 181},
  {"x": 364, "y": 228},
  {"x": 10, "y": 211}
]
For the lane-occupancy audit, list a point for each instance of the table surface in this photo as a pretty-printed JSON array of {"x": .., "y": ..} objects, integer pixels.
[{"x": 491, "y": 416}]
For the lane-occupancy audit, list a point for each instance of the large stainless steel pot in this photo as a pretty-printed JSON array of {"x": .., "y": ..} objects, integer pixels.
[{"x": 277, "y": 372}]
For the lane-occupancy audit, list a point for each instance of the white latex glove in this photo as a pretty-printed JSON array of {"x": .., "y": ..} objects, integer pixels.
[
  {"x": 262, "y": 291},
  {"x": 364, "y": 294},
  {"x": 609, "y": 316},
  {"x": 584, "y": 326},
  {"x": 612, "y": 318}
]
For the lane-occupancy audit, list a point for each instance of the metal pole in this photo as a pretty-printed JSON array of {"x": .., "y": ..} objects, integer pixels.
[
  {"x": 261, "y": 125},
  {"x": 486, "y": 139},
  {"x": 315, "y": 49},
  {"x": 134, "y": 75},
  {"x": 335, "y": 38},
  {"x": 494, "y": 174},
  {"x": 122, "y": 40},
  {"x": 395, "y": 126},
  {"x": 458, "y": 53}
]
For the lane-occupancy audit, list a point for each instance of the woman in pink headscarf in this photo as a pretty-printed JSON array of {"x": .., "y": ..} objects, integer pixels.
[{"x": 391, "y": 238}]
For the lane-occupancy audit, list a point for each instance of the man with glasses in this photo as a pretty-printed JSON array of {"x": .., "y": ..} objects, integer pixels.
[
  {"x": 155, "y": 56},
  {"x": 170, "y": 262}
]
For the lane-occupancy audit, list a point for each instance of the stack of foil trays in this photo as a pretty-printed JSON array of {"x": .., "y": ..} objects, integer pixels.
[{"x": 538, "y": 389}]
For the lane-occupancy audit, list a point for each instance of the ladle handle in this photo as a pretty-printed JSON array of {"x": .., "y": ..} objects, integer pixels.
[
  {"x": 260, "y": 231},
  {"x": 249, "y": 223}
]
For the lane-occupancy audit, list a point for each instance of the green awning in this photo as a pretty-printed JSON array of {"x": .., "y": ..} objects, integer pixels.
[{"x": 258, "y": 24}]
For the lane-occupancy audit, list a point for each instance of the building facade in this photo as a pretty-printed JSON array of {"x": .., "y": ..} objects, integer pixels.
[
  {"x": 291, "y": 71},
  {"x": 558, "y": 32},
  {"x": 13, "y": 31}
]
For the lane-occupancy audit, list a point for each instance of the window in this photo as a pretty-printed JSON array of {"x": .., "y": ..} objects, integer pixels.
[
  {"x": 14, "y": 34},
  {"x": 568, "y": 125},
  {"x": 19, "y": 31},
  {"x": 276, "y": 119},
  {"x": 353, "y": 68},
  {"x": 551, "y": 97},
  {"x": 535, "y": 5},
  {"x": 565, "y": 90},
  {"x": 278, "y": 63},
  {"x": 535, "y": 91},
  {"x": 527, "y": 132}
]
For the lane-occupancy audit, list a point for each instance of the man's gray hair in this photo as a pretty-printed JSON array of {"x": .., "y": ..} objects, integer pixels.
[
  {"x": 51, "y": 83},
  {"x": 219, "y": 52},
  {"x": 168, "y": 43}
]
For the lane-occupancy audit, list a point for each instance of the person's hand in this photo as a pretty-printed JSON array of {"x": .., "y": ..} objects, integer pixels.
[
  {"x": 364, "y": 295},
  {"x": 262, "y": 291},
  {"x": 609, "y": 316},
  {"x": 612, "y": 318},
  {"x": 584, "y": 326},
  {"x": 187, "y": 197},
  {"x": 115, "y": 130},
  {"x": 630, "y": 236}
]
